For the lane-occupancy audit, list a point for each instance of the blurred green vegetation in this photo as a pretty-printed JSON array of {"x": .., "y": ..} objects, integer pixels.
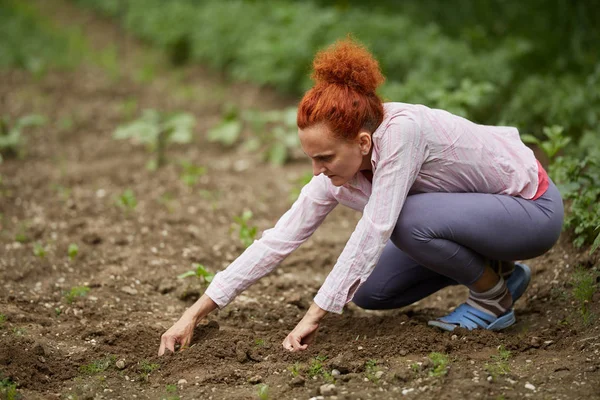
[
  {"x": 528, "y": 64},
  {"x": 30, "y": 42}
]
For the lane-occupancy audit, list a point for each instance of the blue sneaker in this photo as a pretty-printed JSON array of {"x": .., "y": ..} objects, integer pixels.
[{"x": 468, "y": 317}]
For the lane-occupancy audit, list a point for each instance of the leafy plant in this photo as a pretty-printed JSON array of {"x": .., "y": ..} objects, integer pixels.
[
  {"x": 156, "y": 130},
  {"x": 2, "y": 320},
  {"x": 555, "y": 140},
  {"x": 295, "y": 369},
  {"x": 229, "y": 129},
  {"x": 371, "y": 370},
  {"x": 246, "y": 233},
  {"x": 315, "y": 367},
  {"x": 73, "y": 251},
  {"x": 8, "y": 390},
  {"x": 127, "y": 200},
  {"x": 39, "y": 250},
  {"x": 98, "y": 366},
  {"x": 12, "y": 142},
  {"x": 191, "y": 173},
  {"x": 198, "y": 271},
  {"x": 146, "y": 368},
  {"x": 499, "y": 363},
  {"x": 75, "y": 292},
  {"x": 440, "y": 364},
  {"x": 263, "y": 392}
]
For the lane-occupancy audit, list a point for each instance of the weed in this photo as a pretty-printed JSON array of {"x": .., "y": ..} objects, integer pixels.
[
  {"x": 191, "y": 173},
  {"x": 246, "y": 233},
  {"x": 295, "y": 369},
  {"x": 127, "y": 200},
  {"x": 39, "y": 250},
  {"x": 371, "y": 370},
  {"x": 57, "y": 311},
  {"x": 98, "y": 366},
  {"x": 18, "y": 331},
  {"x": 8, "y": 390},
  {"x": 263, "y": 392},
  {"x": 171, "y": 388},
  {"x": 12, "y": 143},
  {"x": 73, "y": 251},
  {"x": 584, "y": 287},
  {"x": 146, "y": 368},
  {"x": 2, "y": 320},
  {"x": 228, "y": 130},
  {"x": 199, "y": 271},
  {"x": 75, "y": 292},
  {"x": 415, "y": 367},
  {"x": 260, "y": 342},
  {"x": 21, "y": 237},
  {"x": 440, "y": 364},
  {"x": 316, "y": 366},
  {"x": 156, "y": 130},
  {"x": 499, "y": 365}
]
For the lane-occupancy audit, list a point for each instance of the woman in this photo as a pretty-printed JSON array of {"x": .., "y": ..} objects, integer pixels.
[{"x": 445, "y": 201}]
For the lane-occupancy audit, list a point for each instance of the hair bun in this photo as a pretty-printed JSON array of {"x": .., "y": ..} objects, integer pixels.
[{"x": 349, "y": 63}]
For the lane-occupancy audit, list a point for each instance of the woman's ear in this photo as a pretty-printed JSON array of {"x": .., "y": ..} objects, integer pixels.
[{"x": 364, "y": 142}]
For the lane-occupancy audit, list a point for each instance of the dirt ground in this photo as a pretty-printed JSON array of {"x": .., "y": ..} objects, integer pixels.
[{"x": 103, "y": 345}]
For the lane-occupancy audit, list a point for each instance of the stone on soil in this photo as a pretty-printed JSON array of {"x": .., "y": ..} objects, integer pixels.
[{"x": 327, "y": 389}]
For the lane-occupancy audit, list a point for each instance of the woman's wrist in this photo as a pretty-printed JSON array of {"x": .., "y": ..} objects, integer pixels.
[
  {"x": 315, "y": 313},
  {"x": 200, "y": 309}
]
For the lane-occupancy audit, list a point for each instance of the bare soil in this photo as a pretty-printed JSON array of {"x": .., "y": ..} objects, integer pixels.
[{"x": 64, "y": 191}]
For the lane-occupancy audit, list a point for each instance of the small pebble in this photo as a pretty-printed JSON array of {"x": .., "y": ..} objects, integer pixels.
[
  {"x": 335, "y": 372},
  {"x": 529, "y": 386},
  {"x": 120, "y": 364},
  {"x": 407, "y": 391},
  {"x": 327, "y": 389},
  {"x": 255, "y": 379},
  {"x": 453, "y": 337},
  {"x": 181, "y": 382},
  {"x": 489, "y": 378},
  {"x": 378, "y": 374},
  {"x": 360, "y": 347}
]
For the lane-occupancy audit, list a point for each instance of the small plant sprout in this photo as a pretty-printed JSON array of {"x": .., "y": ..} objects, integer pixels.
[
  {"x": 440, "y": 364},
  {"x": 316, "y": 366},
  {"x": 98, "y": 366},
  {"x": 499, "y": 363},
  {"x": 73, "y": 251},
  {"x": 229, "y": 129},
  {"x": 191, "y": 173},
  {"x": 371, "y": 370},
  {"x": 8, "y": 390},
  {"x": 39, "y": 250},
  {"x": 127, "y": 200},
  {"x": 263, "y": 392},
  {"x": 156, "y": 130},
  {"x": 12, "y": 143},
  {"x": 246, "y": 233},
  {"x": 75, "y": 292},
  {"x": 584, "y": 287},
  {"x": 146, "y": 368},
  {"x": 199, "y": 271},
  {"x": 2, "y": 320},
  {"x": 555, "y": 140},
  {"x": 295, "y": 369}
]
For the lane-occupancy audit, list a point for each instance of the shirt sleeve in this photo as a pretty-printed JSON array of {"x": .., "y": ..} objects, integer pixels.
[
  {"x": 402, "y": 152},
  {"x": 262, "y": 256}
]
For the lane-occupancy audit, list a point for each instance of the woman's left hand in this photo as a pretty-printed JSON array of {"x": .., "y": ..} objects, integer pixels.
[{"x": 304, "y": 333}]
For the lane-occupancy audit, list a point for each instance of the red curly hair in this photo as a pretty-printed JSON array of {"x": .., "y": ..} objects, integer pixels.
[{"x": 346, "y": 77}]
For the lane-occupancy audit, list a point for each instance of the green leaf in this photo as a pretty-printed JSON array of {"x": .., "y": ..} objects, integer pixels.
[
  {"x": 527, "y": 138},
  {"x": 277, "y": 154},
  {"x": 186, "y": 274},
  {"x": 226, "y": 133}
]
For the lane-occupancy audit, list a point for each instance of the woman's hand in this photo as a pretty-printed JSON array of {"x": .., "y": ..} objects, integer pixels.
[
  {"x": 304, "y": 333},
  {"x": 183, "y": 330}
]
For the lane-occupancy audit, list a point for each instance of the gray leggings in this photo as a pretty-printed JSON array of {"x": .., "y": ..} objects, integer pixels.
[{"x": 444, "y": 239}]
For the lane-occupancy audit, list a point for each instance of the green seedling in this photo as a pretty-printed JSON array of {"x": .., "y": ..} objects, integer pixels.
[
  {"x": 76, "y": 292},
  {"x": 584, "y": 287},
  {"x": 199, "y": 271},
  {"x": 295, "y": 369},
  {"x": 229, "y": 129},
  {"x": 2, "y": 320},
  {"x": 156, "y": 130},
  {"x": 316, "y": 366},
  {"x": 39, "y": 250},
  {"x": 554, "y": 140},
  {"x": 12, "y": 143},
  {"x": 73, "y": 251},
  {"x": 246, "y": 233},
  {"x": 127, "y": 200},
  {"x": 259, "y": 342},
  {"x": 57, "y": 311},
  {"x": 440, "y": 364},
  {"x": 8, "y": 390},
  {"x": 98, "y": 366},
  {"x": 415, "y": 367},
  {"x": 191, "y": 173},
  {"x": 21, "y": 237},
  {"x": 263, "y": 392},
  {"x": 499, "y": 364},
  {"x": 371, "y": 370},
  {"x": 18, "y": 331},
  {"x": 146, "y": 368}
]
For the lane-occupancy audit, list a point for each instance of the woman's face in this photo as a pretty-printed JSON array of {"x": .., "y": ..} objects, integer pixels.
[{"x": 337, "y": 158}]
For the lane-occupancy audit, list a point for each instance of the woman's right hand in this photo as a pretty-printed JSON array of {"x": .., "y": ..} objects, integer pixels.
[{"x": 183, "y": 330}]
